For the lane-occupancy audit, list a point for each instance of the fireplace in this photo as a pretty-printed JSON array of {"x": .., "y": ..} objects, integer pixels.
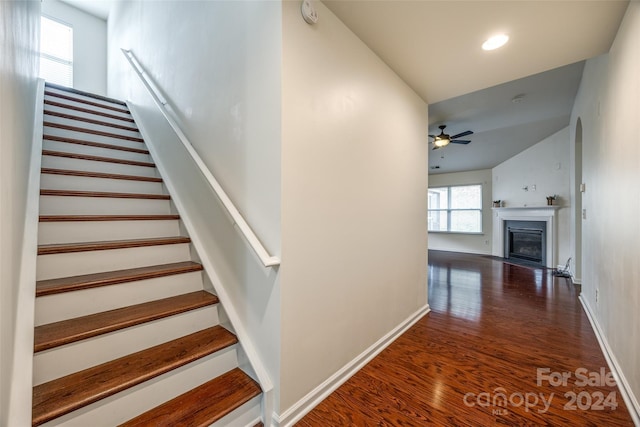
[
  {"x": 525, "y": 242},
  {"x": 545, "y": 214}
]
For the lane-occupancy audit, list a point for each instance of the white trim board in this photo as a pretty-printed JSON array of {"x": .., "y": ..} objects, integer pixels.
[
  {"x": 21, "y": 387},
  {"x": 240, "y": 330},
  {"x": 315, "y": 396},
  {"x": 623, "y": 385}
]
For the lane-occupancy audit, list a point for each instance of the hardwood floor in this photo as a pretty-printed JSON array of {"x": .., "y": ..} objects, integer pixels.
[{"x": 474, "y": 360}]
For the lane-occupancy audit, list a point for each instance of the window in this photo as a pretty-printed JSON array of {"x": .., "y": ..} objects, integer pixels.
[
  {"x": 56, "y": 52},
  {"x": 456, "y": 209}
]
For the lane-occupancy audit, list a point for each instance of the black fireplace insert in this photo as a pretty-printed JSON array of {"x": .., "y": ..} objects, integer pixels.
[{"x": 526, "y": 241}]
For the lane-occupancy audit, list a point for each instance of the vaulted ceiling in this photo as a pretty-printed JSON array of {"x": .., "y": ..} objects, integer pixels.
[{"x": 435, "y": 46}]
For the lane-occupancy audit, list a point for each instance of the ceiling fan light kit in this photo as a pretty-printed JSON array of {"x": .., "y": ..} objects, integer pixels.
[{"x": 444, "y": 139}]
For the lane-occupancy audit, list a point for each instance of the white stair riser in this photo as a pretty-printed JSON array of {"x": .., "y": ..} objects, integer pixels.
[
  {"x": 81, "y": 183},
  {"x": 69, "y": 305},
  {"x": 85, "y": 136},
  {"x": 86, "y": 106},
  {"x": 93, "y": 126},
  {"x": 56, "y": 162},
  {"x": 64, "y": 360},
  {"x": 96, "y": 231},
  {"x": 63, "y": 110},
  {"x": 245, "y": 415},
  {"x": 86, "y": 98},
  {"x": 82, "y": 136},
  {"x": 67, "y": 205},
  {"x": 128, "y": 404},
  {"x": 66, "y": 147},
  {"x": 78, "y": 263}
]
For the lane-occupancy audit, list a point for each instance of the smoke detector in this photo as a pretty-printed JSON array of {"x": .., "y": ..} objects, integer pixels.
[{"x": 518, "y": 98}]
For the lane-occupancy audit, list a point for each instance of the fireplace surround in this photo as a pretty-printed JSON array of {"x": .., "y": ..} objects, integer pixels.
[{"x": 545, "y": 214}]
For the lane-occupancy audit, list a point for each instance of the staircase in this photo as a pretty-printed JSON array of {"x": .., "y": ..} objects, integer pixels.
[{"x": 126, "y": 333}]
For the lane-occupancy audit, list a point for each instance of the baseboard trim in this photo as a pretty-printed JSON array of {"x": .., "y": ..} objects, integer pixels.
[
  {"x": 315, "y": 396},
  {"x": 575, "y": 280},
  {"x": 623, "y": 385}
]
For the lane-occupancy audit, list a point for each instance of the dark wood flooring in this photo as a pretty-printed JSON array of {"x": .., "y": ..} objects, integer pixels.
[{"x": 474, "y": 360}]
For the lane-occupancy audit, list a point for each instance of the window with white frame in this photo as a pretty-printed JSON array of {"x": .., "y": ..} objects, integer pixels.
[
  {"x": 455, "y": 209},
  {"x": 56, "y": 52}
]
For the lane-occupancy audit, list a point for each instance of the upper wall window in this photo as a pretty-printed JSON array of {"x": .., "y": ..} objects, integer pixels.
[
  {"x": 455, "y": 209},
  {"x": 56, "y": 52}
]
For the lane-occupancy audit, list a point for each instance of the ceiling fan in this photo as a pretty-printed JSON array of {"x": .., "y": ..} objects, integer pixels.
[{"x": 443, "y": 139}]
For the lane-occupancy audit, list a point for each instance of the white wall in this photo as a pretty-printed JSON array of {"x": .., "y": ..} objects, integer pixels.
[
  {"x": 218, "y": 64},
  {"x": 354, "y": 164},
  {"x": 273, "y": 105},
  {"x": 546, "y": 166},
  {"x": 608, "y": 104},
  {"x": 468, "y": 243},
  {"x": 219, "y": 67},
  {"x": 89, "y": 45},
  {"x": 19, "y": 41}
]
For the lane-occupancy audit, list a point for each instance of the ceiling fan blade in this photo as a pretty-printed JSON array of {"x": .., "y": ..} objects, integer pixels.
[
  {"x": 462, "y": 134},
  {"x": 460, "y": 141}
]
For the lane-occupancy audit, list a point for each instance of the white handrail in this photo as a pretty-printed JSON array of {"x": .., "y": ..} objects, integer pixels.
[{"x": 239, "y": 221}]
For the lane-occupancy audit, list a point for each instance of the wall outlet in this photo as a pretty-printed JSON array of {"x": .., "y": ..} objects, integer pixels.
[
  {"x": 597, "y": 292},
  {"x": 584, "y": 214}
]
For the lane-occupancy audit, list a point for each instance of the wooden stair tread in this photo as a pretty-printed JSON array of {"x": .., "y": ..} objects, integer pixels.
[
  {"x": 85, "y": 218},
  {"x": 88, "y": 120},
  {"x": 87, "y": 174},
  {"x": 97, "y": 158},
  {"x": 65, "y": 248},
  {"x": 83, "y": 93},
  {"x": 81, "y": 193},
  {"x": 203, "y": 405},
  {"x": 86, "y": 110},
  {"x": 91, "y": 131},
  {"x": 67, "y": 331},
  {"x": 63, "y": 395},
  {"x": 93, "y": 144},
  {"x": 94, "y": 280},
  {"x": 85, "y": 101}
]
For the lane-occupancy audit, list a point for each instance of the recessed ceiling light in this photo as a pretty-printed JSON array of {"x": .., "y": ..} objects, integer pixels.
[{"x": 495, "y": 42}]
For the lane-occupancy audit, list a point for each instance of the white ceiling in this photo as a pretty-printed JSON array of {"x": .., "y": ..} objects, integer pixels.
[
  {"x": 435, "y": 47},
  {"x": 98, "y": 8}
]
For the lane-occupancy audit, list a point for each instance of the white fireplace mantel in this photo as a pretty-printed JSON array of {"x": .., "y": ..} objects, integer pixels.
[{"x": 526, "y": 213}]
